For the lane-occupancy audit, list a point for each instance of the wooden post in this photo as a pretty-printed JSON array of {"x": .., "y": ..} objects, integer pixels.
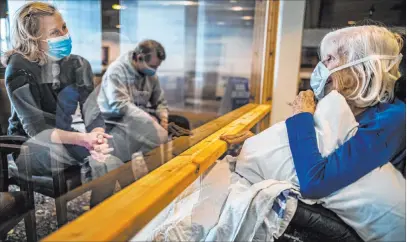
[
  {"x": 258, "y": 50},
  {"x": 288, "y": 57},
  {"x": 265, "y": 36}
]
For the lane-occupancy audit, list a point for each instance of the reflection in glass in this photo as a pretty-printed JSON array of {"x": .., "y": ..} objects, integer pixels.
[{"x": 207, "y": 42}]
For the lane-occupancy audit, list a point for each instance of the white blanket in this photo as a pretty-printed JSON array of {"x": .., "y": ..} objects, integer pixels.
[{"x": 225, "y": 207}]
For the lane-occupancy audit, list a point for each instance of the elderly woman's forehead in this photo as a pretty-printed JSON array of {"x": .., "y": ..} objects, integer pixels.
[
  {"x": 329, "y": 45},
  {"x": 336, "y": 40}
]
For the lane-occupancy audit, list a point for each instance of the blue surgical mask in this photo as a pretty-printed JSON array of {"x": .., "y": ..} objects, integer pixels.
[
  {"x": 59, "y": 47},
  {"x": 144, "y": 67},
  {"x": 321, "y": 74},
  {"x": 148, "y": 71}
]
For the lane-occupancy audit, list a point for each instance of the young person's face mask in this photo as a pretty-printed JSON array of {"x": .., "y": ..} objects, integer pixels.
[
  {"x": 321, "y": 73},
  {"x": 59, "y": 47},
  {"x": 144, "y": 67},
  {"x": 148, "y": 71}
]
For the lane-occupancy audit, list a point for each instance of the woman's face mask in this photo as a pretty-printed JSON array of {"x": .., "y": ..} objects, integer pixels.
[
  {"x": 59, "y": 47},
  {"x": 321, "y": 73}
]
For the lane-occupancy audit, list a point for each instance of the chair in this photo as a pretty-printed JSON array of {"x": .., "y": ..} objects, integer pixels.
[
  {"x": 15, "y": 206},
  {"x": 236, "y": 95},
  {"x": 321, "y": 223},
  {"x": 56, "y": 185},
  {"x": 5, "y": 108}
]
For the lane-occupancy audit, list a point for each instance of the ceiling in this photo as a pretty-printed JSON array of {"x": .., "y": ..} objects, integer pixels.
[
  {"x": 319, "y": 13},
  {"x": 340, "y": 13},
  {"x": 228, "y": 13}
]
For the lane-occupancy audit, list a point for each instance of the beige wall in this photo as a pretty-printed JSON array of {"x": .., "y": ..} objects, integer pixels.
[{"x": 288, "y": 56}]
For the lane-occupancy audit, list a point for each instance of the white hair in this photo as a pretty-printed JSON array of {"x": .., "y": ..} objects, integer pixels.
[{"x": 370, "y": 82}]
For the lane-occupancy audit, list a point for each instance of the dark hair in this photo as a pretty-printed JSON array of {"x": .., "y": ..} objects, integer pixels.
[{"x": 146, "y": 47}]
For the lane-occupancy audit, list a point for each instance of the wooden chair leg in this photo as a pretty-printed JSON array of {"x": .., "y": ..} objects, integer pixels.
[
  {"x": 3, "y": 171},
  {"x": 61, "y": 210},
  {"x": 60, "y": 188},
  {"x": 60, "y": 201},
  {"x": 101, "y": 192},
  {"x": 30, "y": 226},
  {"x": 27, "y": 185}
]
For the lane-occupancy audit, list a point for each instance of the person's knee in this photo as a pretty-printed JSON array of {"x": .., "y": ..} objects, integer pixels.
[
  {"x": 68, "y": 99},
  {"x": 69, "y": 94},
  {"x": 101, "y": 168}
]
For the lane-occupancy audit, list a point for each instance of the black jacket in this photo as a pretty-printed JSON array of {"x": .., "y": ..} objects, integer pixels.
[{"x": 33, "y": 91}]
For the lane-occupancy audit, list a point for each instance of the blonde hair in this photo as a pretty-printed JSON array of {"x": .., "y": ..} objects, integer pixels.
[
  {"x": 370, "y": 82},
  {"x": 26, "y": 32}
]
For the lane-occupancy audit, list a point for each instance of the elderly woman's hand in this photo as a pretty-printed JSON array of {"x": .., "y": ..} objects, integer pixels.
[
  {"x": 236, "y": 138},
  {"x": 304, "y": 102}
]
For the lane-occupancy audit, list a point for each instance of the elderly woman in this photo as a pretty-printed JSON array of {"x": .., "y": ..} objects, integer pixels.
[
  {"x": 362, "y": 64},
  {"x": 340, "y": 155},
  {"x": 373, "y": 200},
  {"x": 45, "y": 83}
]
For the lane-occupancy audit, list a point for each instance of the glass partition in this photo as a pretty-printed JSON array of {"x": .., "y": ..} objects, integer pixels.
[{"x": 143, "y": 82}]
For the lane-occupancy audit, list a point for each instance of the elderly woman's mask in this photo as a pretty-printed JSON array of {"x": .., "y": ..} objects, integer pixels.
[{"x": 321, "y": 73}]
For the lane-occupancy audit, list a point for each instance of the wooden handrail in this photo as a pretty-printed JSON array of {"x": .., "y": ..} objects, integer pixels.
[{"x": 121, "y": 216}]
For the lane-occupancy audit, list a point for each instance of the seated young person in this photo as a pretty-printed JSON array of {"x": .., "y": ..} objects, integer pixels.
[{"x": 132, "y": 101}]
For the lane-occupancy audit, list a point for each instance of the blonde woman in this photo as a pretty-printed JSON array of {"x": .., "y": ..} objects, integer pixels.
[
  {"x": 362, "y": 64},
  {"x": 45, "y": 83}
]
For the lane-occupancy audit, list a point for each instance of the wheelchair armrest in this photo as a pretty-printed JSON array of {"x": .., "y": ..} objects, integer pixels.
[
  {"x": 399, "y": 162},
  {"x": 323, "y": 222}
]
